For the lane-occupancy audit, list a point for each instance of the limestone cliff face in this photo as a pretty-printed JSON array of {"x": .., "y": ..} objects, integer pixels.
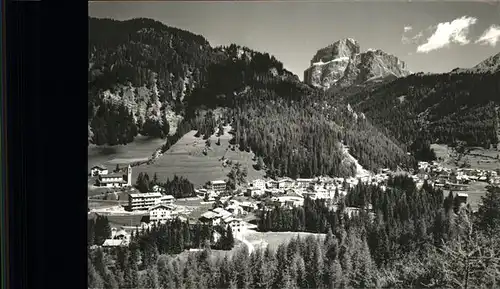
[
  {"x": 329, "y": 63},
  {"x": 342, "y": 64}
]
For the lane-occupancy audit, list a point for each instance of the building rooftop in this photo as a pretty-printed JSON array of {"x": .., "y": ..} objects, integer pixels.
[
  {"x": 111, "y": 181},
  {"x": 101, "y": 167},
  {"x": 112, "y": 243},
  {"x": 221, "y": 212},
  {"x": 169, "y": 207},
  {"x": 145, "y": 195},
  {"x": 113, "y": 175},
  {"x": 218, "y": 182},
  {"x": 209, "y": 215}
]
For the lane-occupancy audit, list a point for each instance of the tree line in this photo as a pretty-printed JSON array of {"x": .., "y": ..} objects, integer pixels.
[
  {"x": 440, "y": 108},
  {"x": 458, "y": 250},
  {"x": 179, "y": 187}
]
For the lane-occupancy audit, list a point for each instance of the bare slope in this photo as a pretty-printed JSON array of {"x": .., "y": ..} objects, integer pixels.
[{"x": 186, "y": 158}]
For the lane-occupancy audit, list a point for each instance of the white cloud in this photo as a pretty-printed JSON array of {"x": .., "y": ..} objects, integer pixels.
[
  {"x": 490, "y": 36},
  {"x": 412, "y": 40},
  {"x": 448, "y": 32},
  {"x": 408, "y": 28}
]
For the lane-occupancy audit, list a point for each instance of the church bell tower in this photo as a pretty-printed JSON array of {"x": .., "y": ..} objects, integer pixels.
[{"x": 129, "y": 175}]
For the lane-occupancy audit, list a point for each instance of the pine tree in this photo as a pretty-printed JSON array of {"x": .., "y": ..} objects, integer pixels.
[
  {"x": 94, "y": 280},
  {"x": 102, "y": 230},
  {"x": 90, "y": 232},
  {"x": 229, "y": 243},
  {"x": 150, "y": 279},
  {"x": 489, "y": 211}
]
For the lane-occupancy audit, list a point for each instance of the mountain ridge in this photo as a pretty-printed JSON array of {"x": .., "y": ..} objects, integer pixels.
[
  {"x": 147, "y": 73},
  {"x": 343, "y": 64}
]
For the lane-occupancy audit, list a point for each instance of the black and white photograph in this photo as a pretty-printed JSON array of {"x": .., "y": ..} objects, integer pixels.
[{"x": 293, "y": 144}]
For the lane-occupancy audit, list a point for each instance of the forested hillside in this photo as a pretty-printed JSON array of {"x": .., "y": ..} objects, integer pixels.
[
  {"x": 440, "y": 108},
  {"x": 415, "y": 239},
  {"x": 144, "y": 68},
  {"x": 294, "y": 128},
  {"x": 144, "y": 77}
]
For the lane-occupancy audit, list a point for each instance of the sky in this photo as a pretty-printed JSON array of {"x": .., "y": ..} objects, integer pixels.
[{"x": 427, "y": 36}]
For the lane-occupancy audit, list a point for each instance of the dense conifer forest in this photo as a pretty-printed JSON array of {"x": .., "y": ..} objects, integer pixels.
[
  {"x": 414, "y": 238},
  {"x": 438, "y": 108},
  {"x": 294, "y": 129}
]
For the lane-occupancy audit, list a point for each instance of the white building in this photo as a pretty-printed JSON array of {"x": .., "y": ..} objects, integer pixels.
[
  {"x": 254, "y": 192},
  {"x": 258, "y": 184},
  {"x": 110, "y": 243},
  {"x": 235, "y": 210},
  {"x": 166, "y": 199},
  {"x": 115, "y": 180},
  {"x": 210, "y": 218},
  {"x": 304, "y": 183},
  {"x": 120, "y": 235},
  {"x": 218, "y": 186},
  {"x": 143, "y": 201},
  {"x": 161, "y": 213},
  {"x": 221, "y": 212},
  {"x": 98, "y": 170},
  {"x": 238, "y": 227}
]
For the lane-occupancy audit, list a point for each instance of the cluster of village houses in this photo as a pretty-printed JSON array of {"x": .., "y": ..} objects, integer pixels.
[
  {"x": 454, "y": 179},
  {"x": 284, "y": 192}
]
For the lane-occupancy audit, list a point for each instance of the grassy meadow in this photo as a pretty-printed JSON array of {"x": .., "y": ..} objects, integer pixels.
[{"x": 186, "y": 158}]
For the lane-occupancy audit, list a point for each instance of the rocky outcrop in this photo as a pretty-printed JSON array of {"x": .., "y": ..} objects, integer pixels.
[
  {"x": 342, "y": 64},
  {"x": 489, "y": 65},
  {"x": 329, "y": 63}
]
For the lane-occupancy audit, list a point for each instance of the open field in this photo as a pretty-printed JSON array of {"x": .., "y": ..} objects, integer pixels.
[
  {"x": 479, "y": 158},
  {"x": 125, "y": 220},
  {"x": 476, "y": 191},
  {"x": 238, "y": 245},
  {"x": 194, "y": 207},
  {"x": 186, "y": 158},
  {"x": 273, "y": 239},
  {"x": 140, "y": 149},
  {"x": 94, "y": 204}
]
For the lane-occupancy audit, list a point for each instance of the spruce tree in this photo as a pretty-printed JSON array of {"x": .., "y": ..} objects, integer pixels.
[
  {"x": 229, "y": 239},
  {"x": 94, "y": 280}
]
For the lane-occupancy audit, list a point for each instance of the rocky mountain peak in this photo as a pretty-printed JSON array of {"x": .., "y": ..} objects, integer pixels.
[
  {"x": 343, "y": 48},
  {"x": 342, "y": 64},
  {"x": 491, "y": 64}
]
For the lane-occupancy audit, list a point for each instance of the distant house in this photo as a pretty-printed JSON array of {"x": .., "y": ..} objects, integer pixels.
[
  {"x": 161, "y": 213},
  {"x": 258, "y": 184},
  {"x": 462, "y": 197},
  {"x": 115, "y": 180},
  {"x": 304, "y": 183},
  {"x": 235, "y": 210},
  {"x": 272, "y": 184},
  {"x": 254, "y": 192},
  {"x": 157, "y": 188},
  {"x": 98, "y": 170},
  {"x": 237, "y": 225},
  {"x": 210, "y": 218},
  {"x": 109, "y": 243},
  {"x": 218, "y": 186},
  {"x": 120, "y": 235},
  {"x": 111, "y": 180},
  {"x": 166, "y": 199},
  {"x": 248, "y": 206},
  {"x": 289, "y": 201},
  {"x": 222, "y": 212},
  {"x": 143, "y": 201}
]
